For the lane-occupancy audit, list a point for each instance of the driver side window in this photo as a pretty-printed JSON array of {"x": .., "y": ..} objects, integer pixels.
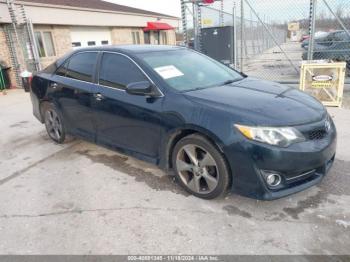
[{"x": 118, "y": 71}]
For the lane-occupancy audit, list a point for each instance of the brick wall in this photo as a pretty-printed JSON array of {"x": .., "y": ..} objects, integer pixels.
[
  {"x": 61, "y": 40},
  {"x": 171, "y": 35},
  {"x": 123, "y": 36},
  {"x": 5, "y": 55},
  {"x": 62, "y": 43}
]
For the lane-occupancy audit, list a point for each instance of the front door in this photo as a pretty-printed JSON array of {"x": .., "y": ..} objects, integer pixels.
[
  {"x": 147, "y": 37},
  {"x": 125, "y": 121},
  {"x": 156, "y": 38}
]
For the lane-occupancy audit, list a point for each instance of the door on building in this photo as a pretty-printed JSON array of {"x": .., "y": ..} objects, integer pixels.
[
  {"x": 90, "y": 36},
  {"x": 147, "y": 38},
  {"x": 125, "y": 121},
  {"x": 156, "y": 37}
]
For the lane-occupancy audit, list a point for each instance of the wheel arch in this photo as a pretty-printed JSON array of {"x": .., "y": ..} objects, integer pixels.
[
  {"x": 41, "y": 104},
  {"x": 176, "y": 135}
]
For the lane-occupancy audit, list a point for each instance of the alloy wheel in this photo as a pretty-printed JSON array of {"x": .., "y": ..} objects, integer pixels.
[
  {"x": 197, "y": 169},
  {"x": 53, "y": 125}
]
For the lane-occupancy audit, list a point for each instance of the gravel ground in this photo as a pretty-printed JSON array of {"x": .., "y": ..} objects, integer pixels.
[
  {"x": 346, "y": 98},
  {"x": 79, "y": 198}
]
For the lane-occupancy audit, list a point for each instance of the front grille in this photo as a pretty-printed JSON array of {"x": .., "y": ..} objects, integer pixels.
[{"x": 317, "y": 134}]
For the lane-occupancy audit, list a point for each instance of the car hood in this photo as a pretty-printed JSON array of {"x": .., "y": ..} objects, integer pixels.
[{"x": 260, "y": 102}]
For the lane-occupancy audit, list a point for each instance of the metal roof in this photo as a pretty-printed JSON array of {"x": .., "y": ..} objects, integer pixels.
[{"x": 98, "y": 5}]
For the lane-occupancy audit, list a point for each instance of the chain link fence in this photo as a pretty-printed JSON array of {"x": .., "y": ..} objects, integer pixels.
[
  {"x": 332, "y": 31},
  {"x": 272, "y": 37}
]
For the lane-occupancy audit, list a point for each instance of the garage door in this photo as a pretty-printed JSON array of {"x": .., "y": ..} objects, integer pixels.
[{"x": 90, "y": 36}]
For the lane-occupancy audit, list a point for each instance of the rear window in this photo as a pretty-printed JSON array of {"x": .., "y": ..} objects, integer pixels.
[
  {"x": 81, "y": 66},
  {"x": 62, "y": 70}
]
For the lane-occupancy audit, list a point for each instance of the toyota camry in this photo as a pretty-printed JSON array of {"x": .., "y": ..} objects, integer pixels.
[{"x": 216, "y": 129}]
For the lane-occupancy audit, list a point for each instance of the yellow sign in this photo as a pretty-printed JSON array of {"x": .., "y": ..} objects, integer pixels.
[
  {"x": 318, "y": 84},
  {"x": 207, "y": 22},
  {"x": 294, "y": 26},
  {"x": 324, "y": 81}
]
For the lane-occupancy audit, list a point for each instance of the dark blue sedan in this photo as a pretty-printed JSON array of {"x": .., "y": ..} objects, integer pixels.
[{"x": 217, "y": 129}]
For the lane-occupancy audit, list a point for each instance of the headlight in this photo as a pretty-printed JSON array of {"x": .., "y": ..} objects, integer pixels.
[{"x": 277, "y": 136}]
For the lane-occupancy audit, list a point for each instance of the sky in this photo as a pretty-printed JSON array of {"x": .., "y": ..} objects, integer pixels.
[{"x": 169, "y": 7}]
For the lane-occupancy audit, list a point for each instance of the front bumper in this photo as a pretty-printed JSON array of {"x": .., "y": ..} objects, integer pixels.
[{"x": 301, "y": 165}]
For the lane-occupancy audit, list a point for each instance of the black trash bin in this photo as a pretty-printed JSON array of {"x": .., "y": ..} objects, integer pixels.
[{"x": 5, "y": 81}]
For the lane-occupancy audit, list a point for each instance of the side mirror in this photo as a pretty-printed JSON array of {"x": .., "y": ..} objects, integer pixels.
[{"x": 144, "y": 88}]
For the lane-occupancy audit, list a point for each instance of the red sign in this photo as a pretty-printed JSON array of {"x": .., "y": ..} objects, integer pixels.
[{"x": 208, "y": 2}]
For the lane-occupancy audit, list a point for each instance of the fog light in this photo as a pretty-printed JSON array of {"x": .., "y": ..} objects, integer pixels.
[{"x": 273, "y": 179}]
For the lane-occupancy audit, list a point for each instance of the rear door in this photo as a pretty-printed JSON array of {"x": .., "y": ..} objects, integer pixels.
[
  {"x": 125, "y": 121},
  {"x": 73, "y": 92}
]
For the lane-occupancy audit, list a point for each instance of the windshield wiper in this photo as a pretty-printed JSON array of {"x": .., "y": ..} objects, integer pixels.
[{"x": 229, "y": 82}]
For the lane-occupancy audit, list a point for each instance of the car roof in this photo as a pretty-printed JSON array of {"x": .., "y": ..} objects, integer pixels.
[
  {"x": 337, "y": 31},
  {"x": 124, "y": 49},
  {"x": 131, "y": 49}
]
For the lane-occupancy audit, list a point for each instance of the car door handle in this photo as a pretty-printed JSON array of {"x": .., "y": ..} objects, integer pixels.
[
  {"x": 98, "y": 96},
  {"x": 54, "y": 85}
]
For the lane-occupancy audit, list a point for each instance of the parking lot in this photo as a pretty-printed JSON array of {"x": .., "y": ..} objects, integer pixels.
[{"x": 80, "y": 198}]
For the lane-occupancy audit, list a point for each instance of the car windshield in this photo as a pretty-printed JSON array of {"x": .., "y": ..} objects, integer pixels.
[{"x": 186, "y": 70}]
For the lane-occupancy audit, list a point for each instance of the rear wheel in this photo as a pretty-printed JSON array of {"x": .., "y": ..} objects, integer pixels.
[
  {"x": 54, "y": 123},
  {"x": 200, "y": 168}
]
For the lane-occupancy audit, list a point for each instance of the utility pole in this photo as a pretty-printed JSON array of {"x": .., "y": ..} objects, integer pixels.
[
  {"x": 184, "y": 22},
  {"x": 222, "y": 18},
  {"x": 242, "y": 34},
  {"x": 312, "y": 24},
  {"x": 234, "y": 13}
]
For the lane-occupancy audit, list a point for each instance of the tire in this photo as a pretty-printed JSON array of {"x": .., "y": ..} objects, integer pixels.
[
  {"x": 200, "y": 168},
  {"x": 54, "y": 123}
]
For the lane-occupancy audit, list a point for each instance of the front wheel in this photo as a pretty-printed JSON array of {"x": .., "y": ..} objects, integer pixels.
[
  {"x": 200, "y": 168},
  {"x": 54, "y": 123}
]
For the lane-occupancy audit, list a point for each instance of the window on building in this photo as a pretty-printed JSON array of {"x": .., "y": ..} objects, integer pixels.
[
  {"x": 76, "y": 44},
  {"x": 44, "y": 42},
  {"x": 104, "y": 42},
  {"x": 40, "y": 44},
  {"x": 118, "y": 71},
  {"x": 164, "y": 37},
  {"x": 91, "y": 43},
  {"x": 136, "y": 38},
  {"x": 81, "y": 66},
  {"x": 48, "y": 42}
]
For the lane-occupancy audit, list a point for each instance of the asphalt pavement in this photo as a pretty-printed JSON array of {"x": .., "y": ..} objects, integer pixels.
[{"x": 80, "y": 198}]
